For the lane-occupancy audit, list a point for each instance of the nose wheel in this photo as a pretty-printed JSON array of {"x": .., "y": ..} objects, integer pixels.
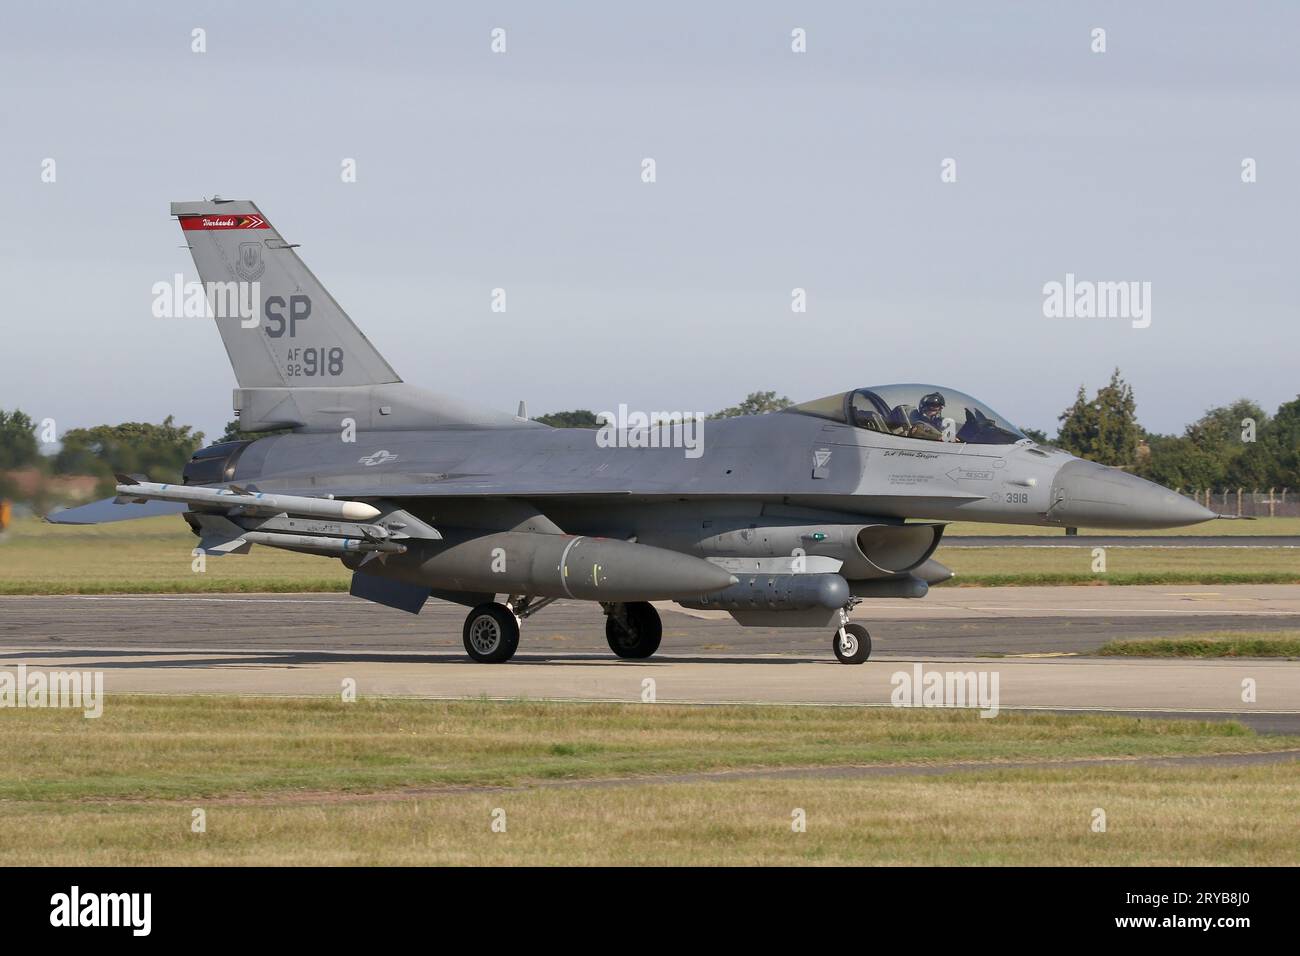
[{"x": 852, "y": 644}]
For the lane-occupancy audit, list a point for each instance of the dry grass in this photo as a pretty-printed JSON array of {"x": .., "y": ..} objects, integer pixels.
[
  {"x": 285, "y": 781},
  {"x": 1154, "y": 817},
  {"x": 189, "y": 747},
  {"x": 1073, "y": 565},
  {"x": 153, "y": 555}
]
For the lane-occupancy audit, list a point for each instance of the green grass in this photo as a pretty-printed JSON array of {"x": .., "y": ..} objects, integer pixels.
[
  {"x": 272, "y": 584},
  {"x": 154, "y": 555},
  {"x": 1210, "y": 644},
  {"x": 988, "y": 567},
  {"x": 1036, "y": 579},
  {"x": 189, "y": 747},
  {"x": 284, "y": 781}
]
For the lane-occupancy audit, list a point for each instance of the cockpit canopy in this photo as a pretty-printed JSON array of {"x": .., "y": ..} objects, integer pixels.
[{"x": 916, "y": 411}]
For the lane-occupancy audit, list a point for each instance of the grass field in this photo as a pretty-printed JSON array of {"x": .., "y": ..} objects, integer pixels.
[
  {"x": 316, "y": 781},
  {"x": 1048, "y": 566},
  {"x": 155, "y": 555},
  {"x": 146, "y": 556},
  {"x": 1254, "y": 526},
  {"x": 1210, "y": 644}
]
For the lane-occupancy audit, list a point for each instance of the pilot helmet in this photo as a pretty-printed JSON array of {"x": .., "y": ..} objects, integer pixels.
[{"x": 932, "y": 401}]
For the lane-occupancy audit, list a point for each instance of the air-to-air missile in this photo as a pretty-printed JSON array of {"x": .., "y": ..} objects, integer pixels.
[
  {"x": 555, "y": 565},
  {"x": 324, "y": 545},
  {"x": 130, "y": 490}
]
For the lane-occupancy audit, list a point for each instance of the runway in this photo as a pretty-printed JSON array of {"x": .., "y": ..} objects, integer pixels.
[
  {"x": 950, "y": 621},
  {"x": 307, "y": 644}
]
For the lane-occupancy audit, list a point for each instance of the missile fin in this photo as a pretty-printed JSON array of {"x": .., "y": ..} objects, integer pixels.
[{"x": 218, "y": 545}]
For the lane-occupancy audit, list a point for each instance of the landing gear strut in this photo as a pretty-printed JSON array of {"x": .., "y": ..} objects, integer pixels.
[
  {"x": 852, "y": 644},
  {"x": 633, "y": 630}
]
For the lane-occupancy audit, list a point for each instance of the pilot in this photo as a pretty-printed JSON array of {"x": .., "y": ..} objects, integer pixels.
[{"x": 929, "y": 414}]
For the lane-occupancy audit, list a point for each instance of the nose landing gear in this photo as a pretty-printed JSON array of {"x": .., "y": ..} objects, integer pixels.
[{"x": 852, "y": 644}]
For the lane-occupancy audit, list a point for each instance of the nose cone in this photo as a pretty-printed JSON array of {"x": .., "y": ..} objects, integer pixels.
[{"x": 1087, "y": 494}]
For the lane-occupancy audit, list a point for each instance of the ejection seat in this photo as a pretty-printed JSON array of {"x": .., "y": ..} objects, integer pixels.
[
  {"x": 901, "y": 418},
  {"x": 870, "y": 412},
  {"x": 870, "y": 420}
]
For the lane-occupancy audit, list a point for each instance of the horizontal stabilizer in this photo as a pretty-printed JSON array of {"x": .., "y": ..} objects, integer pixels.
[
  {"x": 106, "y": 510},
  {"x": 217, "y": 547}
]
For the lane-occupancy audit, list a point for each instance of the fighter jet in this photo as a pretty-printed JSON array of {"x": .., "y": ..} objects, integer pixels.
[{"x": 785, "y": 519}]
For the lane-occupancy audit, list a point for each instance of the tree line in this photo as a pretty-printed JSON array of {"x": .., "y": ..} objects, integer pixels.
[
  {"x": 157, "y": 450},
  {"x": 1239, "y": 445},
  {"x": 1236, "y": 445}
]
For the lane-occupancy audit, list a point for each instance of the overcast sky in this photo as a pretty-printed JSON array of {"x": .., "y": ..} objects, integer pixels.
[{"x": 775, "y": 170}]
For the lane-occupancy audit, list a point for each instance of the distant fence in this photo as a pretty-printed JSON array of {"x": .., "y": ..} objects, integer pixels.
[{"x": 1274, "y": 503}]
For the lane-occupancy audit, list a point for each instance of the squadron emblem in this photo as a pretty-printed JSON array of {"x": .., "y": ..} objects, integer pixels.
[{"x": 249, "y": 265}]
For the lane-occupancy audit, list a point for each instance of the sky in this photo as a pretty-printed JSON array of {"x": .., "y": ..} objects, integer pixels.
[{"x": 774, "y": 171}]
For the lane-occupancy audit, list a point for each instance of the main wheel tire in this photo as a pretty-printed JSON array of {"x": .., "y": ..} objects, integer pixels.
[
  {"x": 640, "y": 636},
  {"x": 854, "y": 647},
  {"x": 491, "y": 633}
]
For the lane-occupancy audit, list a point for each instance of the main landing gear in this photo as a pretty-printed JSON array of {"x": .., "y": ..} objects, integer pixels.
[
  {"x": 491, "y": 630},
  {"x": 633, "y": 630},
  {"x": 491, "y": 633}
]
